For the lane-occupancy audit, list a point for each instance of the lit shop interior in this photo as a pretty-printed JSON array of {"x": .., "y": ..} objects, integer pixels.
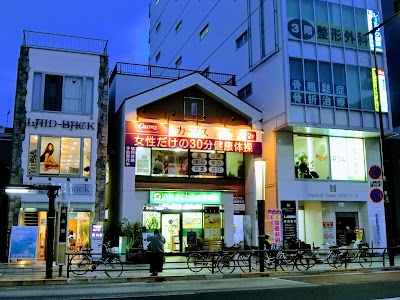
[{"x": 181, "y": 211}]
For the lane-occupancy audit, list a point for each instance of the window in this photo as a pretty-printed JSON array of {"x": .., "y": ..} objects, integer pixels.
[
  {"x": 178, "y": 62},
  {"x": 204, "y": 32},
  {"x": 178, "y": 27},
  {"x": 193, "y": 109},
  {"x": 245, "y": 92},
  {"x": 69, "y": 94},
  {"x": 241, "y": 40},
  {"x": 339, "y": 83},
  {"x": 367, "y": 93},
  {"x": 311, "y": 87},
  {"x": 68, "y": 156},
  {"x": 333, "y": 158},
  {"x": 354, "y": 94},
  {"x": 163, "y": 162},
  {"x": 158, "y": 56},
  {"x": 349, "y": 27},
  {"x": 158, "y": 27},
  {"x": 296, "y": 80}
]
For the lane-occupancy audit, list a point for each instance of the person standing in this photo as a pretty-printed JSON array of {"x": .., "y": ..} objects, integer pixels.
[
  {"x": 156, "y": 247},
  {"x": 350, "y": 237}
]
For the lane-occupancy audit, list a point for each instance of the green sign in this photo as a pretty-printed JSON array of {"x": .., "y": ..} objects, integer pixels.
[{"x": 159, "y": 197}]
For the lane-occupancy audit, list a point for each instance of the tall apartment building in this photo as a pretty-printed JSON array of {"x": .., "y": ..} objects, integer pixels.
[
  {"x": 308, "y": 67},
  {"x": 60, "y": 131}
]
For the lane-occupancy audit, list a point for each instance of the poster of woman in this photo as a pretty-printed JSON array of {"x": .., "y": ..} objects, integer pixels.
[{"x": 50, "y": 155}]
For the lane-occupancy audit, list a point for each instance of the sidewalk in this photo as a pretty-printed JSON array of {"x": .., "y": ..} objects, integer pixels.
[{"x": 175, "y": 268}]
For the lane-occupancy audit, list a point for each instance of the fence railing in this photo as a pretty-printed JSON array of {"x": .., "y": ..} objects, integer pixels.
[
  {"x": 168, "y": 73},
  {"x": 64, "y": 42},
  {"x": 240, "y": 260}
]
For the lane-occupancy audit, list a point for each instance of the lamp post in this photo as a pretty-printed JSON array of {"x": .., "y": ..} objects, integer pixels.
[
  {"x": 259, "y": 178},
  {"x": 388, "y": 219},
  {"x": 52, "y": 191}
]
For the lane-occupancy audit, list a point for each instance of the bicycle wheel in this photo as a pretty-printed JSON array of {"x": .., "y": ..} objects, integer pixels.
[
  {"x": 286, "y": 262},
  {"x": 80, "y": 264},
  {"x": 365, "y": 259},
  {"x": 269, "y": 261},
  {"x": 243, "y": 262},
  {"x": 195, "y": 262},
  {"x": 335, "y": 260},
  {"x": 226, "y": 264},
  {"x": 301, "y": 262},
  {"x": 113, "y": 267}
]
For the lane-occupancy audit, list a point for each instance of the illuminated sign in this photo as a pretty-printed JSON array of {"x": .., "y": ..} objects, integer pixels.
[
  {"x": 163, "y": 197},
  {"x": 374, "y": 20},
  {"x": 347, "y": 159},
  {"x": 381, "y": 82}
]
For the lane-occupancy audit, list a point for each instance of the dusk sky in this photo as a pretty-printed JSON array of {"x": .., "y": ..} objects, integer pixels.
[{"x": 124, "y": 23}]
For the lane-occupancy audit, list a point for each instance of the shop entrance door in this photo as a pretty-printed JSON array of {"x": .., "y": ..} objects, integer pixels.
[
  {"x": 170, "y": 229},
  {"x": 344, "y": 219}
]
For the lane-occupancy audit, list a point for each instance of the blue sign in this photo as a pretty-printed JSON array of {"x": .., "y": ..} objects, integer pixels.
[
  {"x": 23, "y": 242},
  {"x": 376, "y": 195},
  {"x": 375, "y": 172}
]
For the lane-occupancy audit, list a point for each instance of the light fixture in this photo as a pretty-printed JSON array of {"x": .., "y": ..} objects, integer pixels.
[
  {"x": 231, "y": 118},
  {"x": 251, "y": 125},
  {"x": 171, "y": 115},
  {"x": 204, "y": 117},
  {"x": 142, "y": 111}
]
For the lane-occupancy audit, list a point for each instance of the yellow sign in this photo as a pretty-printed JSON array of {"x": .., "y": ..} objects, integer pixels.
[{"x": 359, "y": 234}]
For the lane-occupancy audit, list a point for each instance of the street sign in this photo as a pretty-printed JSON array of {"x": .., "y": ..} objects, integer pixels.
[
  {"x": 376, "y": 183},
  {"x": 375, "y": 172},
  {"x": 376, "y": 195}
]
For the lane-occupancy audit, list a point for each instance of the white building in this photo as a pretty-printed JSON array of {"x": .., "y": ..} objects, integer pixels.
[
  {"x": 60, "y": 131},
  {"x": 307, "y": 66}
]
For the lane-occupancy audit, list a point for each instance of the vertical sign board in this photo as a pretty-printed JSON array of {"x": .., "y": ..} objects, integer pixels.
[
  {"x": 289, "y": 219},
  {"x": 130, "y": 156},
  {"x": 275, "y": 216},
  {"x": 23, "y": 242},
  {"x": 62, "y": 233}
]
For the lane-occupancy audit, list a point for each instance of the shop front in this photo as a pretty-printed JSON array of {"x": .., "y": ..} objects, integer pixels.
[{"x": 187, "y": 219}]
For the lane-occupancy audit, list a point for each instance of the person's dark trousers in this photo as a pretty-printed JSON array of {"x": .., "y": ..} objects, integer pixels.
[{"x": 156, "y": 263}]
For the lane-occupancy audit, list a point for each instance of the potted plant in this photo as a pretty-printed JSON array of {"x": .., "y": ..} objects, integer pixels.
[{"x": 302, "y": 165}]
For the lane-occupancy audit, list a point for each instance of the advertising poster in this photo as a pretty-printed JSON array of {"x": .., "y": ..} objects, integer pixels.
[
  {"x": 23, "y": 242},
  {"x": 207, "y": 164},
  {"x": 329, "y": 233},
  {"x": 275, "y": 216},
  {"x": 289, "y": 220},
  {"x": 50, "y": 155},
  {"x": 146, "y": 243},
  {"x": 359, "y": 234},
  {"x": 165, "y": 163},
  {"x": 212, "y": 226}
]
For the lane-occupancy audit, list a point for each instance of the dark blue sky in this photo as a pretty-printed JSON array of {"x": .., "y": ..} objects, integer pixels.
[{"x": 124, "y": 23}]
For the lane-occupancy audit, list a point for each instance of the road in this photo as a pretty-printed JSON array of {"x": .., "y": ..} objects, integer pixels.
[{"x": 372, "y": 285}]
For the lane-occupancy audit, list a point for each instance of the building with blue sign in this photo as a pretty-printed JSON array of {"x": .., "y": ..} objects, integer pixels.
[{"x": 307, "y": 65}]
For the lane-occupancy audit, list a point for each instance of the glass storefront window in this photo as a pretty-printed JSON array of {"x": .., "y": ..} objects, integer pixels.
[
  {"x": 78, "y": 230},
  {"x": 70, "y": 156},
  {"x": 192, "y": 222},
  {"x": 347, "y": 159},
  {"x": 152, "y": 220},
  {"x": 32, "y": 160},
  {"x": 311, "y": 157},
  {"x": 234, "y": 165},
  {"x": 87, "y": 147},
  {"x": 367, "y": 93},
  {"x": 349, "y": 28},
  {"x": 335, "y": 18},
  {"x": 354, "y": 94}
]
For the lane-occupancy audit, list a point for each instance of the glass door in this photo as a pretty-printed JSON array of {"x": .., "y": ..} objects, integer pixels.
[{"x": 170, "y": 229}]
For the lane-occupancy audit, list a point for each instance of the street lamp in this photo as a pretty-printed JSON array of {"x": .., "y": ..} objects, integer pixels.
[
  {"x": 259, "y": 178},
  {"x": 52, "y": 191},
  {"x": 389, "y": 234}
]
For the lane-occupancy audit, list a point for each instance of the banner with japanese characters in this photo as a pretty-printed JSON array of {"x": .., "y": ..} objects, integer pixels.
[
  {"x": 275, "y": 216},
  {"x": 207, "y": 138}
]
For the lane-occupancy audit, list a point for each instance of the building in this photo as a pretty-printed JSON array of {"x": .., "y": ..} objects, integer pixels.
[
  {"x": 182, "y": 161},
  {"x": 60, "y": 131},
  {"x": 5, "y": 164},
  {"x": 392, "y": 145},
  {"x": 308, "y": 67}
]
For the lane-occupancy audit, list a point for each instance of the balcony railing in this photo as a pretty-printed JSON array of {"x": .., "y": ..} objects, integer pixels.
[
  {"x": 168, "y": 73},
  {"x": 64, "y": 42}
]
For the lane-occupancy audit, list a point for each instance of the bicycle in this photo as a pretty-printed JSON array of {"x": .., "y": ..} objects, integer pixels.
[
  {"x": 82, "y": 262},
  {"x": 199, "y": 260},
  {"x": 362, "y": 254}
]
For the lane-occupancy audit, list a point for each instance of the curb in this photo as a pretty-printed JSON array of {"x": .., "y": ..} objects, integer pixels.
[{"x": 133, "y": 279}]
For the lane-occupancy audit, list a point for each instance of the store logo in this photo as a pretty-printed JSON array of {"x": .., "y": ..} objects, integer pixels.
[{"x": 332, "y": 188}]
